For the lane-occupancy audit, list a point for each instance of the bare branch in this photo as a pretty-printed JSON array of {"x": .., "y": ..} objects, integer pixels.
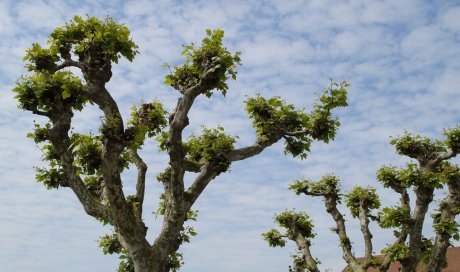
[
  {"x": 68, "y": 63},
  {"x": 249, "y": 151},
  {"x": 194, "y": 167},
  {"x": 208, "y": 173},
  {"x": 295, "y": 133},
  {"x": 442, "y": 157},
  {"x": 41, "y": 113}
]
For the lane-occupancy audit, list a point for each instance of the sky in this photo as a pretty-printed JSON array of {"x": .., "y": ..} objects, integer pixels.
[{"x": 402, "y": 59}]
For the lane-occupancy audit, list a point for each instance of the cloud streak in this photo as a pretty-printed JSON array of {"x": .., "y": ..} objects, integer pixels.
[{"x": 402, "y": 58}]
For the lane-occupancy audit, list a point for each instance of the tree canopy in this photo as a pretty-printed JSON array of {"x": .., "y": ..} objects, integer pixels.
[
  {"x": 91, "y": 164},
  {"x": 429, "y": 171}
]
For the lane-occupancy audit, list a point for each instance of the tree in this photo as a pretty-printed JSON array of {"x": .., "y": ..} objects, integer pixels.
[
  {"x": 91, "y": 164},
  {"x": 430, "y": 171}
]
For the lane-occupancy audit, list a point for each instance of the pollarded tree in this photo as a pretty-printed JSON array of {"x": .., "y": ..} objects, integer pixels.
[
  {"x": 431, "y": 171},
  {"x": 91, "y": 164}
]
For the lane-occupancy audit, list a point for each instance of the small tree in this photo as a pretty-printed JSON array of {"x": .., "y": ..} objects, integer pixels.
[
  {"x": 431, "y": 171},
  {"x": 91, "y": 164}
]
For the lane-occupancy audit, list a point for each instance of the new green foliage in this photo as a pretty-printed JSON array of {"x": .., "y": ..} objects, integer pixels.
[
  {"x": 93, "y": 36},
  {"x": 274, "y": 238},
  {"x": 91, "y": 164},
  {"x": 209, "y": 144},
  {"x": 274, "y": 117},
  {"x": 147, "y": 120},
  {"x": 47, "y": 91},
  {"x": 362, "y": 198},
  {"x": 393, "y": 217},
  {"x": 418, "y": 147},
  {"x": 327, "y": 185},
  {"x": 210, "y": 64},
  {"x": 431, "y": 170}
]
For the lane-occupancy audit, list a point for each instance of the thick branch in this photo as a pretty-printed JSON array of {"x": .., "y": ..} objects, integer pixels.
[
  {"x": 442, "y": 157},
  {"x": 249, "y": 151},
  {"x": 449, "y": 208},
  {"x": 424, "y": 196},
  {"x": 175, "y": 211},
  {"x": 130, "y": 228},
  {"x": 345, "y": 244},
  {"x": 207, "y": 174},
  {"x": 69, "y": 63},
  {"x": 404, "y": 232},
  {"x": 140, "y": 185},
  {"x": 304, "y": 246},
  {"x": 192, "y": 166},
  {"x": 364, "y": 222},
  {"x": 58, "y": 135}
]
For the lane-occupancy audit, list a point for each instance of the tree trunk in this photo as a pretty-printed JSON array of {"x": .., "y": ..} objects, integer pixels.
[{"x": 145, "y": 260}]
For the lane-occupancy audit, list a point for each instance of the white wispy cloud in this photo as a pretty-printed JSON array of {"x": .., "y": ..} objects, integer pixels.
[{"x": 402, "y": 58}]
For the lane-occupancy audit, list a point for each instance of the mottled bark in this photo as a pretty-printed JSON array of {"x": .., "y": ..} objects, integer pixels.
[
  {"x": 140, "y": 185},
  {"x": 364, "y": 223},
  {"x": 404, "y": 231},
  {"x": 304, "y": 247},
  {"x": 345, "y": 244},
  {"x": 424, "y": 196},
  {"x": 449, "y": 209}
]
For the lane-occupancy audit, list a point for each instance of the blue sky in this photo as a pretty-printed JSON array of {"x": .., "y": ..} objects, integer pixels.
[{"x": 401, "y": 57}]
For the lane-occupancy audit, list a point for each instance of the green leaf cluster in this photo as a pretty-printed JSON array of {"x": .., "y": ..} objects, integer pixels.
[
  {"x": 46, "y": 91},
  {"x": 418, "y": 147},
  {"x": 51, "y": 177},
  {"x": 393, "y": 217},
  {"x": 93, "y": 37},
  {"x": 397, "y": 252},
  {"x": 446, "y": 226},
  {"x": 389, "y": 177},
  {"x": 296, "y": 222},
  {"x": 210, "y": 144},
  {"x": 165, "y": 175},
  {"x": 41, "y": 59},
  {"x": 147, "y": 120},
  {"x": 87, "y": 151},
  {"x": 40, "y": 134},
  {"x": 451, "y": 173},
  {"x": 126, "y": 264},
  {"x": 299, "y": 263},
  {"x": 186, "y": 233},
  {"x": 110, "y": 244},
  {"x": 453, "y": 139},
  {"x": 323, "y": 126},
  {"x": 274, "y": 238},
  {"x": 365, "y": 198},
  {"x": 175, "y": 261},
  {"x": 93, "y": 184},
  {"x": 161, "y": 206},
  {"x": 412, "y": 175},
  {"x": 327, "y": 185},
  {"x": 211, "y": 63},
  {"x": 426, "y": 249},
  {"x": 274, "y": 118}
]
